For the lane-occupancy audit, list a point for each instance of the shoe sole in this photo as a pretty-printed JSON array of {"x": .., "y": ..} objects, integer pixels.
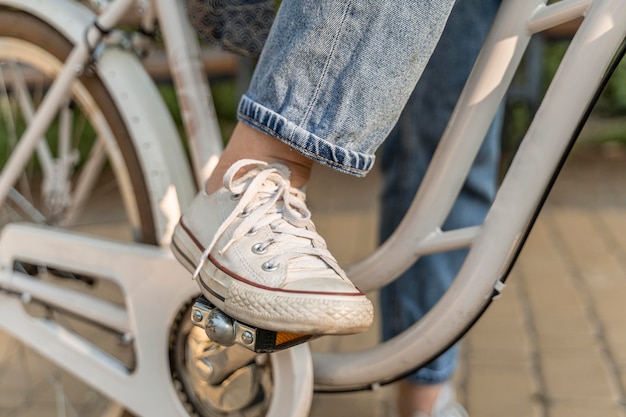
[{"x": 269, "y": 308}]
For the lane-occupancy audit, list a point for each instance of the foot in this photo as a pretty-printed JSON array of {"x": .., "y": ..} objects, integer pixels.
[
  {"x": 444, "y": 405},
  {"x": 255, "y": 253}
]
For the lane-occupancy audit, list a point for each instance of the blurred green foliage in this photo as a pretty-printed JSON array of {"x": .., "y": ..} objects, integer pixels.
[
  {"x": 613, "y": 99},
  {"x": 607, "y": 122}
]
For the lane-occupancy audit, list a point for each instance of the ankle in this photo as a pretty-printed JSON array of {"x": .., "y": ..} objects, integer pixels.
[
  {"x": 417, "y": 397},
  {"x": 249, "y": 143}
]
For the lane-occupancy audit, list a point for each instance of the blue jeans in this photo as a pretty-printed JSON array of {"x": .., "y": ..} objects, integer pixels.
[
  {"x": 334, "y": 75},
  {"x": 405, "y": 156}
]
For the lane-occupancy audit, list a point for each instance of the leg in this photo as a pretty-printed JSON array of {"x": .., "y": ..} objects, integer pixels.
[
  {"x": 406, "y": 154},
  {"x": 319, "y": 89},
  {"x": 249, "y": 143},
  {"x": 320, "y": 86}
]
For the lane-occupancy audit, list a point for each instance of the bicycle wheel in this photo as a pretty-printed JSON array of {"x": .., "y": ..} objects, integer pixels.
[
  {"x": 84, "y": 162},
  {"x": 95, "y": 165}
]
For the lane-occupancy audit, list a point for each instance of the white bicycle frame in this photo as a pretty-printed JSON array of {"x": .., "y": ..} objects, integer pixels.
[{"x": 493, "y": 244}]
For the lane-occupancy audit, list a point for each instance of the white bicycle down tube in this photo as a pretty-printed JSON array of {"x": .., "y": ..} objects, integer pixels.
[{"x": 200, "y": 117}]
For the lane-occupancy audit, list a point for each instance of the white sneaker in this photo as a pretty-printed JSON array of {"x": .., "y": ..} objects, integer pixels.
[
  {"x": 445, "y": 405},
  {"x": 255, "y": 253}
]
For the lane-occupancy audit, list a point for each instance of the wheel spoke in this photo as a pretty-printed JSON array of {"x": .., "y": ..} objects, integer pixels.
[
  {"x": 65, "y": 132},
  {"x": 85, "y": 183},
  {"x": 7, "y": 112},
  {"x": 26, "y": 209},
  {"x": 59, "y": 394},
  {"x": 28, "y": 110},
  {"x": 10, "y": 120}
]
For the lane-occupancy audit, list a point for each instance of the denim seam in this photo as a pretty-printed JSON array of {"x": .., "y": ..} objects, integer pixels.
[
  {"x": 332, "y": 163},
  {"x": 326, "y": 65}
]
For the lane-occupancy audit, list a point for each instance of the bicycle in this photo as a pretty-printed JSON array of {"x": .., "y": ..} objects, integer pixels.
[{"x": 67, "y": 72}]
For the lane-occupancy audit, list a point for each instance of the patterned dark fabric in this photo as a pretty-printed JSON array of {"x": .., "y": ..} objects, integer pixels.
[{"x": 240, "y": 26}]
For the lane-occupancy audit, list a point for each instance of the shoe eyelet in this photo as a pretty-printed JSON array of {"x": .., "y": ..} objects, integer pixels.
[
  {"x": 269, "y": 266},
  {"x": 245, "y": 213},
  {"x": 252, "y": 232},
  {"x": 235, "y": 197},
  {"x": 259, "y": 249}
]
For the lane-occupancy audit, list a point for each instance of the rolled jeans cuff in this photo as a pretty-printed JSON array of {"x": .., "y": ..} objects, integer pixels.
[
  {"x": 270, "y": 122},
  {"x": 439, "y": 371}
]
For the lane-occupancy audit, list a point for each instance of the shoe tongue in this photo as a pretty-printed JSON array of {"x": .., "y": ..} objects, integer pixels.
[
  {"x": 305, "y": 263},
  {"x": 304, "y": 266},
  {"x": 309, "y": 267}
]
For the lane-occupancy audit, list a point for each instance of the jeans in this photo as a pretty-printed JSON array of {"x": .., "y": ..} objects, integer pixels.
[
  {"x": 334, "y": 75},
  {"x": 405, "y": 156}
]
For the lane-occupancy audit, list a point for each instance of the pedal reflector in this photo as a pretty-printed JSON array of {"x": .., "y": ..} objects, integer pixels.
[{"x": 270, "y": 341}]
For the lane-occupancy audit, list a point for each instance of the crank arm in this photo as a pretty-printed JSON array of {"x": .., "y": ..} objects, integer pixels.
[{"x": 226, "y": 331}]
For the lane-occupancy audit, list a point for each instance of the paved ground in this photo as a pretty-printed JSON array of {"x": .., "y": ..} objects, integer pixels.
[{"x": 555, "y": 344}]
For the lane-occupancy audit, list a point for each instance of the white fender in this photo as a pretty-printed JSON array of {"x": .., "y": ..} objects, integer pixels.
[{"x": 147, "y": 119}]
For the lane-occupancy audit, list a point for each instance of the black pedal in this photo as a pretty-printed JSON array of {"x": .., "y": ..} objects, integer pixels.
[{"x": 226, "y": 331}]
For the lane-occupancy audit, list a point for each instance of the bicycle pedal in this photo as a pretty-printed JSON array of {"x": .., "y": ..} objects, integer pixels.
[{"x": 226, "y": 331}]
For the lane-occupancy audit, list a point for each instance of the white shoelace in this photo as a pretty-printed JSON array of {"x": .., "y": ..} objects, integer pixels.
[{"x": 267, "y": 198}]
